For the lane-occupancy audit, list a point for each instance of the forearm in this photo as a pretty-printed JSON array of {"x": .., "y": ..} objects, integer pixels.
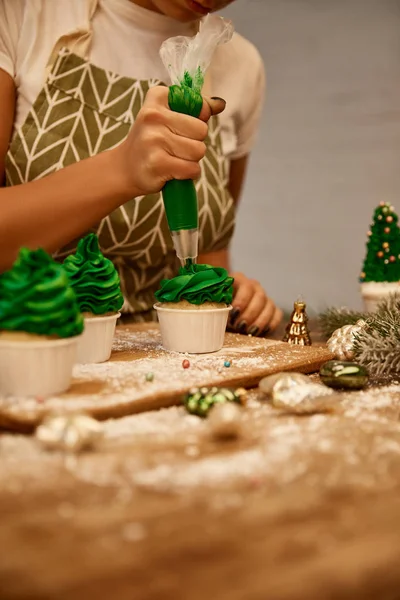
[
  {"x": 52, "y": 211},
  {"x": 220, "y": 258}
]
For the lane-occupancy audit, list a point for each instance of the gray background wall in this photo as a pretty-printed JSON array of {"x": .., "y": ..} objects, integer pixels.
[{"x": 329, "y": 145}]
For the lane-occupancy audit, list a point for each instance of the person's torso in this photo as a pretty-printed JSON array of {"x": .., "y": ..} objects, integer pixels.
[
  {"x": 87, "y": 106},
  {"x": 126, "y": 41}
]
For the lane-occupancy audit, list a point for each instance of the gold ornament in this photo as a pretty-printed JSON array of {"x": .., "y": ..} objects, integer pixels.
[
  {"x": 72, "y": 433},
  {"x": 306, "y": 399},
  {"x": 225, "y": 420},
  {"x": 297, "y": 330},
  {"x": 385, "y": 245},
  {"x": 342, "y": 340},
  {"x": 282, "y": 381},
  {"x": 296, "y": 394}
]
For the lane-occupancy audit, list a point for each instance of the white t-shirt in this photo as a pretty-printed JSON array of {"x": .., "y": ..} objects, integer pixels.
[{"x": 126, "y": 40}]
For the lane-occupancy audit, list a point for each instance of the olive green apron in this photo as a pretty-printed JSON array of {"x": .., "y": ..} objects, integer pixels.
[{"x": 84, "y": 110}]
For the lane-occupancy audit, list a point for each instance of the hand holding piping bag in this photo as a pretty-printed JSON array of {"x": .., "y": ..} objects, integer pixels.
[{"x": 187, "y": 60}]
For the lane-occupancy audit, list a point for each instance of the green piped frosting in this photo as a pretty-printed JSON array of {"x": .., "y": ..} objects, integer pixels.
[
  {"x": 180, "y": 197},
  {"x": 198, "y": 284},
  {"x": 94, "y": 278},
  {"x": 36, "y": 297}
]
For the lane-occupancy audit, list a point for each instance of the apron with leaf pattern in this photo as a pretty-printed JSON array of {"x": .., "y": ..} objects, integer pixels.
[{"x": 84, "y": 110}]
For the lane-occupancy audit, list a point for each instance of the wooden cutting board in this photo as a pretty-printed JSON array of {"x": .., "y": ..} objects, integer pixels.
[{"x": 119, "y": 387}]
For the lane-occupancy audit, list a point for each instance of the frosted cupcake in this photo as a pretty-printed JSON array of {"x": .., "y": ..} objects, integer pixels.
[
  {"x": 40, "y": 325},
  {"x": 193, "y": 309},
  {"x": 95, "y": 282}
]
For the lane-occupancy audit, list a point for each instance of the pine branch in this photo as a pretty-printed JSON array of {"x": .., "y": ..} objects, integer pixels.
[
  {"x": 334, "y": 318},
  {"x": 377, "y": 346},
  {"x": 389, "y": 304}
]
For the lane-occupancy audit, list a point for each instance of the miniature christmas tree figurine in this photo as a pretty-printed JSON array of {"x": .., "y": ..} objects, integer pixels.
[
  {"x": 297, "y": 330},
  {"x": 382, "y": 262},
  {"x": 380, "y": 277}
]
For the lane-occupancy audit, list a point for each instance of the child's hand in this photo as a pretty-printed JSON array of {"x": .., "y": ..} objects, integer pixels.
[
  {"x": 253, "y": 312},
  {"x": 163, "y": 144}
]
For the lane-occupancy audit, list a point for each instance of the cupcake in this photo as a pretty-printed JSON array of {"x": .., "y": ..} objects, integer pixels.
[
  {"x": 95, "y": 282},
  {"x": 193, "y": 309},
  {"x": 40, "y": 325},
  {"x": 380, "y": 275}
]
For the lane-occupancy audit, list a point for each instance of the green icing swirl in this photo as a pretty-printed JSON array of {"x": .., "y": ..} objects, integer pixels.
[
  {"x": 197, "y": 284},
  {"x": 36, "y": 297},
  {"x": 94, "y": 278}
]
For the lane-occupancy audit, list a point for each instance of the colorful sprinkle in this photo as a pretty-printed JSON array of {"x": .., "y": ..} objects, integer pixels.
[
  {"x": 227, "y": 364},
  {"x": 186, "y": 364},
  {"x": 149, "y": 376}
]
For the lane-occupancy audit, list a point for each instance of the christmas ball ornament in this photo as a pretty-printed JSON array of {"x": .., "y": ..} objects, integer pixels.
[
  {"x": 344, "y": 375},
  {"x": 369, "y": 233},
  {"x": 342, "y": 340},
  {"x": 386, "y": 261},
  {"x": 380, "y": 217},
  {"x": 295, "y": 393},
  {"x": 71, "y": 433},
  {"x": 186, "y": 364},
  {"x": 199, "y": 401},
  {"x": 385, "y": 245},
  {"x": 379, "y": 254},
  {"x": 389, "y": 219},
  {"x": 392, "y": 258},
  {"x": 386, "y": 230},
  {"x": 281, "y": 382},
  {"x": 306, "y": 399},
  {"x": 225, "y": 420}
]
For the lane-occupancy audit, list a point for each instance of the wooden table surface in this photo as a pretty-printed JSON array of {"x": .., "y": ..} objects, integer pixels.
[{"x": 297, "y": 508}]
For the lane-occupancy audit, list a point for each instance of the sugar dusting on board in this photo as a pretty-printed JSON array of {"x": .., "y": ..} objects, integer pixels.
[{"x": 150, "y": 340}]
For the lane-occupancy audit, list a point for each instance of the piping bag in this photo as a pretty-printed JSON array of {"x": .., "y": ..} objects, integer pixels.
[{"x": 186, "y": 60}]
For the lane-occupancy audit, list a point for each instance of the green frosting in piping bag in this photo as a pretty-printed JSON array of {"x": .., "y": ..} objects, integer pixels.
[
  {"x": 36, "y": 297},
  {"x": 94, "y": 278},
  {"x": 198, "y": 284}
]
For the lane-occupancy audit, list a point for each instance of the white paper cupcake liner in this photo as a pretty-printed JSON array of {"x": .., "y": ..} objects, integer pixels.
[
  {"x": 373, "y": 292},
  {"x": 96, "y": 341},
  {"x": 36, "y": 368},
  {"x": 192, "y": 331}
]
